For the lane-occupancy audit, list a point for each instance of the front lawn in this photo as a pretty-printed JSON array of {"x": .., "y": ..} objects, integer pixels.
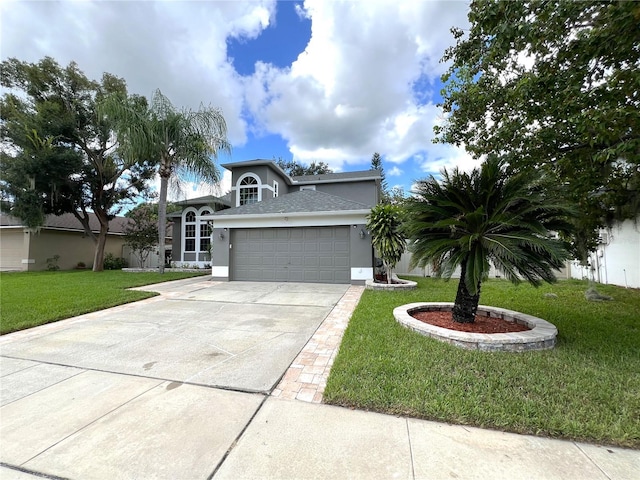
[
  {"x": 28, "y": 299},
  {"x": 587, "y": 388}
]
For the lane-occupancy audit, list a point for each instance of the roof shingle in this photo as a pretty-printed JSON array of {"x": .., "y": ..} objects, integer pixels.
[
  {"x": 67, "y": 221},
  {"x": 303, "y": 201}
]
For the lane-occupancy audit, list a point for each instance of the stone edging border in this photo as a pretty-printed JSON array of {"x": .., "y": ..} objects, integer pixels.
[
  {"x": 405, "y": 285},
  {"x": 542, "y": 335}
]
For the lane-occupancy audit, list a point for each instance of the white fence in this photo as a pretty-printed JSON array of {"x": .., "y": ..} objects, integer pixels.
[
  {"x": 403, "y": 268},
  {"x": 134, "y": 262}
]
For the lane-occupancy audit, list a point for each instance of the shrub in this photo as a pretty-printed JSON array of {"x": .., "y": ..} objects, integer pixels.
[{"x": 114, "y": 263}]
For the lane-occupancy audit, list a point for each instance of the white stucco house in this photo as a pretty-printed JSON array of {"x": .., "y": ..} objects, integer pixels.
[{"x": 617, "y": 258}]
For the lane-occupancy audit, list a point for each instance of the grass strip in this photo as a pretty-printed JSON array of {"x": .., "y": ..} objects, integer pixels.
[
  {"x": 587, "y": 388},
  {"x": 29, "y": 299}
]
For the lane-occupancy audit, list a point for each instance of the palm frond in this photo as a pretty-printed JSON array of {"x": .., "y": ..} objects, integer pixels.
[{"x": 467, "y": 219}]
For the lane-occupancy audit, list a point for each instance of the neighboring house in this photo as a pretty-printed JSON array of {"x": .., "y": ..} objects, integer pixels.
[
  {"x": 282, "y": 228},
  {"x": 61, "y": 235},
  {"x": 617, "y": 258}
]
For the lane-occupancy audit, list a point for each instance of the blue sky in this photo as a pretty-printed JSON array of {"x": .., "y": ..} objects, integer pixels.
[
  {"x": 325, "y": 80},
  {"x": 280, "y": 44}
]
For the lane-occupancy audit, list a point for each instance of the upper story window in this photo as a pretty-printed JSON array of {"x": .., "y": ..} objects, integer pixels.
[
  {"x": 248, "y": 190},
  {"x": 308, "y": 187},
  {"x": 275, "y": 189}
]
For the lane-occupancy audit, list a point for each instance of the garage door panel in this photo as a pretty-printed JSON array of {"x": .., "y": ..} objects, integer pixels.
[
  {"x": 312, "y": 254},
  {"x": 341, "y": 247},
  {"x": 294, "y": 261},
  {"x": 309, "y": 233},
  {"x": 268, "y": 262},
  {"x": 312, "y": 262},
  {"x": 268, "y": 247},
  {"x": 341, "y": 261},
  {"x": 342, "y": 234},
  {"x": 325, "y": 261}
]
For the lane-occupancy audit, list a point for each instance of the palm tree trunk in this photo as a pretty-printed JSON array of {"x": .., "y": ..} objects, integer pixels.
[
  {"x": 466, "y": 304},
  {"x": 162, "y": 221}
]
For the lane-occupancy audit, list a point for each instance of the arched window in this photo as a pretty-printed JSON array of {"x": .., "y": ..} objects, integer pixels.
[
  {"x": 248, "y": 190},
  {"x": 190, "y": 231},
  {"x": 205, "y": 233}
]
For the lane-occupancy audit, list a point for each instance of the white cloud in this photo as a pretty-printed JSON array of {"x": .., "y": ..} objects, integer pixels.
[
  {"x": 350, "y": 93},
  {"x": 394, "y": 171},
  {"x": 179, "y": 47},
  {"x": 445, "y": 157}
]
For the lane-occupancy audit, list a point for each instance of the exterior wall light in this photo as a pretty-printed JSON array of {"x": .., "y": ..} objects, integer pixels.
[{"x": 362, "y": 234}]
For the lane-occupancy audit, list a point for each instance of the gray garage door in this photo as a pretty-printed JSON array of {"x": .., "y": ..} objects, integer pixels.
[{"x": 291, "y": 255}]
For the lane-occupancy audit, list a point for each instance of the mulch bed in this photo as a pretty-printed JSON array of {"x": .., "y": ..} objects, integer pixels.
[{"x": 481, "y": 325}]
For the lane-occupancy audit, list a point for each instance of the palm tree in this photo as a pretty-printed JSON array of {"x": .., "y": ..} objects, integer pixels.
[
  {"x": 384, "y": 223},
  {"x": 469, "y": 220},
  {"x": 182, "y": 144}
]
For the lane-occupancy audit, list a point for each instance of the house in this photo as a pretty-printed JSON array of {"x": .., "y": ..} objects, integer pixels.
[
  {"x": 63, "y": 235},
  {"x": 616, "y": 261},
  {"x": 274, "y": 227}
]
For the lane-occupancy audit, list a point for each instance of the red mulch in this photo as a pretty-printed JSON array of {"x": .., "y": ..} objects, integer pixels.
[{"x": 481, "y": 325}]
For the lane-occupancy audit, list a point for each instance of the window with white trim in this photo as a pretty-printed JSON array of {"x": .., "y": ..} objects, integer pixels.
[
  {"x": 275, "y": 189},
  {"x": 308, "y": 187},
  {"x": 205, "y": 233},
  {"x": 190, "y": 231},
  {"x": 249, "y": 190}
]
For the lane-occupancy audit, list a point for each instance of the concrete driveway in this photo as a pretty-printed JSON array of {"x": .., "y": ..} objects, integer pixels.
[
  {"x": 238, "y": 335},
  {"x": 126, "y": 392}
]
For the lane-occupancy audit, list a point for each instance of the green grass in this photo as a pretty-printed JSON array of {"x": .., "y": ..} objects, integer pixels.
[
  {"x": 28, "y": 299},
  {"x": 587, "y": 388}
]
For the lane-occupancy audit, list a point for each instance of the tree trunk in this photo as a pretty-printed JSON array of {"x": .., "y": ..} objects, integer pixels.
[
  {"x": 101, "y": 241},
  {"x": 162, "y": 221},
  {"x": 466, "y": 304},
  {"x": 388, "y": 268}
]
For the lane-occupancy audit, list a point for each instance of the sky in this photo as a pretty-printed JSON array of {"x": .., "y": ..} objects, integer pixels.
[{"x": 314, "y": 80}]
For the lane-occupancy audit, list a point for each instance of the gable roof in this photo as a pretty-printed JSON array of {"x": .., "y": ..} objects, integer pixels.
[
  {"x": 223, "y": 201},
  {"x": 207, "y": 199},
  {"x": 68, "y": 222},
  {"x": 255, "y": 163},
  {"x": 303, "y": 201},
  {"x": 361, "y": 175}
]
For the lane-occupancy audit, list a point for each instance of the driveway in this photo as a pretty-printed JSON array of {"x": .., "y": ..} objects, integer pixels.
[
  {"x": 126, "y": 392},
  {"x": 237, "y": 335}
]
